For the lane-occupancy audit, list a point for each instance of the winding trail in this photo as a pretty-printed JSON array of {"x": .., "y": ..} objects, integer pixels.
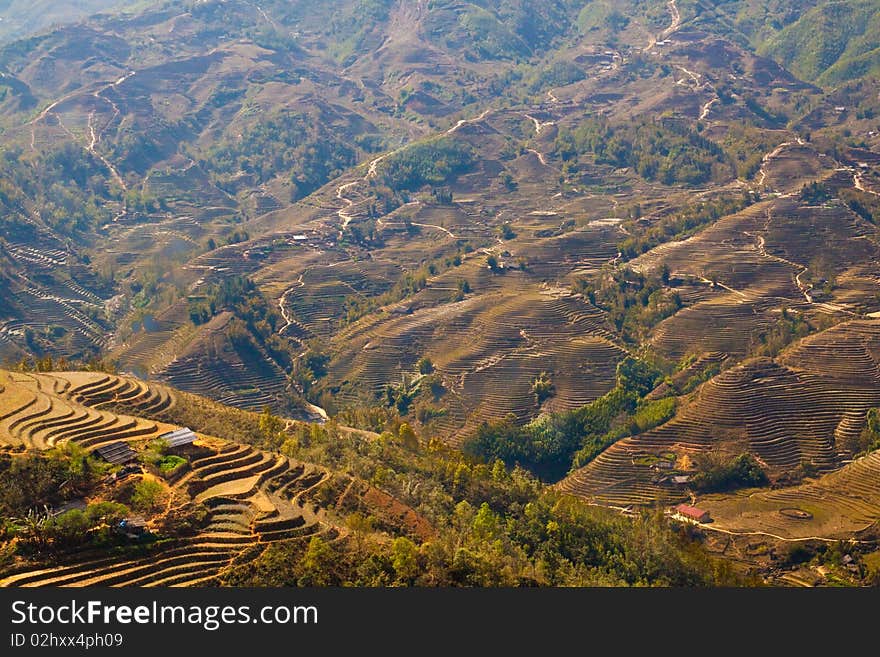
[
  {"x": 94, "y": 136},
  {"x": 766, "y": 160},
  {"x": 675, "y": 18},
  {"x": 288, "y": 318},
  {"x": 540, "y": 157},
  {"x": 342, "y": 212},
  {"x": 857, "y": 183},
  {"x": 539, "y": 125},
  {"x": 704, "y": 111},
  {"x": 760, "y": 245},
  {"x": 445, "y": 230},
  {"x": 462, "y": 122}
]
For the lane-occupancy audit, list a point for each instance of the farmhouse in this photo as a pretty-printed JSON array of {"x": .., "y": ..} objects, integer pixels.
[
  {"x": 179, "y": 437},
  {"x": 692, "y": 513},
  {"x": 117, "y": 453}
]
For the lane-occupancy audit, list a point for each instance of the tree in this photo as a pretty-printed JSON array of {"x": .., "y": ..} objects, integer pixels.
[
  {"x": 271, "y": 426},
  {"x": 408, "y": 436},
  {"x": 316, "y": 566},
  {"x": 492, "y": 261},
  {"x": 405, "y": 559},
  {"x": 424, "y": 365},
  {"x": 360, "y": 526},
  {"x": 542, "y": 387},
  {"x": 149, "y": 495}
]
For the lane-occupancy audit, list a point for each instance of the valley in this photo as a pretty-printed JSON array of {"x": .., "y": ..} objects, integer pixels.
[{"x": 616, "y": 247}]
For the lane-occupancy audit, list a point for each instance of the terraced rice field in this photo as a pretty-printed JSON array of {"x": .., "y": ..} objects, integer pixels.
[
  {"x": 47, "y": 410},
  {"x": 253, "y": 497},
  {"x": 808, "y": 406},
  {"x": 512, "y": 338},
  {"x": 837, "y": 505}
]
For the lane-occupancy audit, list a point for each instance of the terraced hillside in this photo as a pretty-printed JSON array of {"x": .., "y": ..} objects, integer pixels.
[
  {"x": 253, "y": 498},
  {"x": 839, "y": 505},
  {"x": 806, "y": 407},
  {"x": 450, "y": 215}
]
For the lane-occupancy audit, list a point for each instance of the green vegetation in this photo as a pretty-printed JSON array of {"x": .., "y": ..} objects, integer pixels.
[
  {"x": 92, "y": 527},
  {"x": 789, "y": 327},
  {"x": 491, "y": 527},
  {"x": 815, "y": 193},
  {"x": 867, "y": 206},
  {"x": 869, "y": 439},
  {"x": 297, "y": 146},
  {"x": 433, "y": 162},
  {"x": 634, "y": 302},
  {"x": 33, "y": 480},
  {"x": 552, "y": 541},
  {"x": 170, "y": 463},
  {"x": 542, "y": 387},
  {"x": 69, "y": 184},
  {"x": 831, "y": 43},
  {"x": 718, "y": 473},
  {"x": 676, "y": 226},
  {"x": 746, "y": 145},
  {"x": 148, "y": 496},
  {"x": 553, "y": 443},
  {"x": 256, "y": 320},
  {"x": 665, "y": 150}
]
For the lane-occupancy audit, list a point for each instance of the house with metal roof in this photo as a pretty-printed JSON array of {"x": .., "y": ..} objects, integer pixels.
[
  {"x": 116, "y": 453},
  {"x": 179, "y": 437}
]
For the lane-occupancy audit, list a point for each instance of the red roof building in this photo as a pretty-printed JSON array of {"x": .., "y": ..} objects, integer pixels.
[{"x": 692, "y": 513}]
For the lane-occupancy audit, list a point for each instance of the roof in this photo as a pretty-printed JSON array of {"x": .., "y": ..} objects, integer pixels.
[
  {"x": 117, "y": 453},
  {"x": 689, "y": 511},
  {"x": 178, "y": 437}
]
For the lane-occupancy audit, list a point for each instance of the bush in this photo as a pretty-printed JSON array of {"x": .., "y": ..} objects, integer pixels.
[
  {"x": 170, "y": 463},
  {"x": 542, "y": 387},
  {"x": 149, "y": 496},
  {"x": 717, "y": 474},
  {"x": 424, "y": 365}
]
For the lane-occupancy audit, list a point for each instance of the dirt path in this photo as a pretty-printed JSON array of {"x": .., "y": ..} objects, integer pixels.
[
  {"x": 857, "y": 183},
  {"x": 693, "y": 76},
  {"x": 704, "y": 111},
  {"x": 445, "y": 230},
  {"x": 284, "y": 314},
  {"x": 539, "y": 125},
  {"x": 766, "y": 160},
  {"x": 540, "y": 157},
  {"x": 462, "y": 122},
  {"x": 675, "y": 23},
  {"x": 676, "y": 19},
  {"x": 760, "y": 245},
  {"x": 731, "y": 532},
  {"x": 342, "y": 212}
]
